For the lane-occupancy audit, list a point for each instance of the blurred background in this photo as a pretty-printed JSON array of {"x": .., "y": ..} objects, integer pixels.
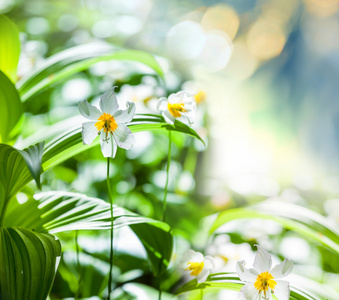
[{"x": 266, "y": 74}]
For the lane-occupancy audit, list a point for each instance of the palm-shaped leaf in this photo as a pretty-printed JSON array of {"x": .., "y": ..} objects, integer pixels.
[{"x": 59, "y": 211}]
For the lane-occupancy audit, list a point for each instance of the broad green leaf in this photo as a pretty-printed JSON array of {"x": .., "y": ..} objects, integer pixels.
[
  {"x": 158, "y": 246},
  {"x": 16, "y": 169},
  {"x": 28, "y": 263},
  {"x": 230, "y": 281},
  {"x": 60, "y": 211},
  {"x": 79, "y": 58},
  {"x": 70, "y": 143},
  {"x": 291, "y": 216},
  {"x": 33, "y": 156},
  {"x": 9, "y": 47},
  {"x": 10, "y": 104}
]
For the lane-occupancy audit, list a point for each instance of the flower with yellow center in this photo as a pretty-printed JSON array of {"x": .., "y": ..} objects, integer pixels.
[
  {"x": 264, "y": 280},
  {"x": 108, "y": 122},
  {"x": 196, "y": 265},
  {"x": 179, "y": 106}
]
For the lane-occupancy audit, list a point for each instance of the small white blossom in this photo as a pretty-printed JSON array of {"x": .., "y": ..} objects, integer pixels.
[
  {"x": 108, "y": 122},
  {"x": 179, "y": 106},
  {"x": 196, "y": 265},
  {"x": 264, "y": 280}
]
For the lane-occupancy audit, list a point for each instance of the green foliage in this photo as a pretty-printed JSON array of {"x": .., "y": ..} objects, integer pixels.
[
  {"x": 59, "y": 211},
  {"x": 16, "y": 169},
  {"x": 28, "y": 263},
  {"x": 71, "y": 61},
  {"x": 11, "y": 107},
  {"x": 33, "y": 157},
  {"x": 9, "y": 48},
  {"x": 291, "y": 216}
]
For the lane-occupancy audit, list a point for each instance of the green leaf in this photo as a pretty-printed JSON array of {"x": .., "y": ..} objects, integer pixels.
[
  {"x": 291, "y": 216},
  {"x": 28, "y": 263},
  {"x": 230, "y": 281},
  {"x": 11, "y": 106},
  {"x": 16, "y": 169},
  {"x": 158, "y": 246},
  {"x": 76, "y": 59},
  {"x": 33, "y": 157},
  {"x": 70, "y": 143},
  {"x": 9, "y": 47},
  {"x": 60, "y": 211}
]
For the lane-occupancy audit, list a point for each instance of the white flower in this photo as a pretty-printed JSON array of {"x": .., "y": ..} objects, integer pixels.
[
  {"x": 108, "y": 122},
  {"x": 196, "y": 265},
  {"x": 264, "y": 280},
  {"x": 177, "y": 106}
]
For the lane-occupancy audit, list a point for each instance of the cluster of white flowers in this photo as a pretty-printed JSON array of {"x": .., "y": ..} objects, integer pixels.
[
  {"x": 263, "y": 280},
  {"x": 109, "y": 121}
]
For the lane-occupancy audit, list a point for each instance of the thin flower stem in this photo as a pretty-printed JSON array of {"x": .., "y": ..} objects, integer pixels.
[
  {"x": 160, "y": 291},
  {"x": 111, "y": 248},
  {"x": 201, "y": 294},
  {"x": 167, "y": 174},
  {"x": 78, "y": 263}
]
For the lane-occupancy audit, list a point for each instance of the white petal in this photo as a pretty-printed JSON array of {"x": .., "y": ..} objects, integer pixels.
[
  {"x": 123, "y": 136},
  {"x": 186, "y": 119},
  {"x": 89, "y": 132},
  {"x": 262, "y": 261},
  {"x": 282, "y": 290},
  {"x": 125, "y": 116},
  {"x": 203, "y": 275},
  {"x": 162, "y": 104},
  {"x": 283, "y": 269},
  {"x": 108, "y": 102},
  {"x": 209, "y": 263},
  {"x": 108, "y": 146},
  {"x": 186, "y": 257},
  {"x": 88, "y": 111},
  {"x": 169, "y": 118},
  {"x": 176, "y": 98},
  {"x": 244, "y": 273},
  {"x": 250, "y": 292},
  {"x": 181, "y": 97}
]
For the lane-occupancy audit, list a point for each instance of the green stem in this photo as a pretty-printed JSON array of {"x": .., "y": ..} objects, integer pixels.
[
  {"x": 160, "y": 291},
  {"x": 167, "y": 175},
  {"x": 201, "y": 294},
  {"x": 111, "y": 248},
  {"x": 78, "y": 263}
]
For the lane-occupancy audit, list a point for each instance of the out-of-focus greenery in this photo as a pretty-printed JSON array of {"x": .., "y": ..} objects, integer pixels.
[{"x": 268, "y": 114}]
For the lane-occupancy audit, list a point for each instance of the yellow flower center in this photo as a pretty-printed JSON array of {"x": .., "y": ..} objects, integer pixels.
[
  {"x": 195, "y": 267},
  {"x": 200, "y": 97},
  {"x": 106, "y": 122},
  {"x": 264, "y": 281},
  {"x": 176, "y": 109}
]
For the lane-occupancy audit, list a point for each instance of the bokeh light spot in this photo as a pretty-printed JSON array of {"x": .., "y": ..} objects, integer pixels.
[
  {"x": 185, "y": 40},
  {"x": 265, "y": 39},
  {"x": 223, "y": 18}
]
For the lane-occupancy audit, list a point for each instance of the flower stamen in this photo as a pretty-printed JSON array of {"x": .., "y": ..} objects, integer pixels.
[
  {"x": 176, "y": 109},
  {"x": 195, "y": 267},
  {"x": 264, "y": 281},
  {"x": 107, "y": 123}
]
